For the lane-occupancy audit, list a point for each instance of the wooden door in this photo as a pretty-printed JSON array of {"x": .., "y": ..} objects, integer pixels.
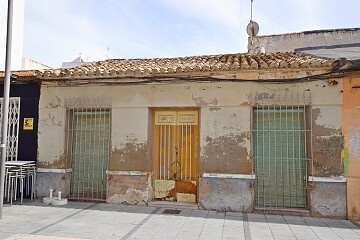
[{"x": 175, "y": 154}]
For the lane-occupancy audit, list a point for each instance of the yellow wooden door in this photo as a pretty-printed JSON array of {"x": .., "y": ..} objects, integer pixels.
[{"x": 175, "y": 154}]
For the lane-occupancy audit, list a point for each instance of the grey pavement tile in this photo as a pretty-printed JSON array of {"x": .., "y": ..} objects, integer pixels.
[{"x": 294, "y": 220}]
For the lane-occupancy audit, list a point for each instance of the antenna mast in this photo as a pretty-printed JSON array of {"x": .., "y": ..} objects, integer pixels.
[{"x": 252, "y": 29}]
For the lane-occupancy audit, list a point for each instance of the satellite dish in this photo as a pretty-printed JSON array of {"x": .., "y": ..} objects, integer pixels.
[{"x": 252, "y": 29}]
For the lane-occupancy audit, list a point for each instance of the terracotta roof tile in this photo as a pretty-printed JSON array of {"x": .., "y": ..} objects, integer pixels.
[{"x": 180, "y": 65}]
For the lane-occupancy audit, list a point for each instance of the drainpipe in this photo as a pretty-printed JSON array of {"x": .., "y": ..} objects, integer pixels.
[{"x": 5, "y": 110}]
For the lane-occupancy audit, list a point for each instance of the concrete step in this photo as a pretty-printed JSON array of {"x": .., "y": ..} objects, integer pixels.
[
  {"x": 174, "y": 205},
  {"x": 302, "y": 212}
]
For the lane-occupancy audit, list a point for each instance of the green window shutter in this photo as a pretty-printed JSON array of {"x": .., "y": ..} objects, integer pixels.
[
  {"x": 280, "y": 161},
  {"x": 90, "y": 153}
]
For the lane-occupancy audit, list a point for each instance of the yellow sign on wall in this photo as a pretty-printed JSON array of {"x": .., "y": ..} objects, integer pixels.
[{"x": 28, "y": 124}]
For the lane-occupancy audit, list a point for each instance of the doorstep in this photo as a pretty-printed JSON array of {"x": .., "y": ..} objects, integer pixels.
[{"x": 174, "y": 205}]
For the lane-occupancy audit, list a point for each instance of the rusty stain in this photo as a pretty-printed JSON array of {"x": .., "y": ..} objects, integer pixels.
[
  {"x": 132, "y": 157},
  {"x": 226, "y": 154},
  {"x": 333, "y": 82},
  {"x": 183, "y": 187}
]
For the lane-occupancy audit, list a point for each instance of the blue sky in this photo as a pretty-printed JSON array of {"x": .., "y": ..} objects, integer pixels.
[{"x": 57, "y": 31}]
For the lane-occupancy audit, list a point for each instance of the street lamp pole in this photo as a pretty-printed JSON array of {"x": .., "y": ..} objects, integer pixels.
[{"x": 5, "y": 109}]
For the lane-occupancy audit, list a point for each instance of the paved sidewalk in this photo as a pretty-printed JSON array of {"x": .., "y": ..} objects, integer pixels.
[{"x": 35, "y": 221}]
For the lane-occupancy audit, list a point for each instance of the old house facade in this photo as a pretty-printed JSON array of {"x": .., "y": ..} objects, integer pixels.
[{"x": 233, "y": 132}]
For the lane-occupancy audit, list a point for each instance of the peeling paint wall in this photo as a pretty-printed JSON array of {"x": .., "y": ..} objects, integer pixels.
[
  {"x": 225, "y": 140},
  {"x": 327, "y": 141},
  {"x": 351, "y": 154},
  {"x": 328, "y": 200},
  {"x": 129, "y": 189},
  {"x": 231, "y": 195},
  {"x": 225, "y": 133},
  {"x": 129, "y": 136}
]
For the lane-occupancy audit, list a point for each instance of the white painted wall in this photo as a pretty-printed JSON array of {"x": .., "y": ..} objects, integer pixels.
[{"x": 17, "y": 33}]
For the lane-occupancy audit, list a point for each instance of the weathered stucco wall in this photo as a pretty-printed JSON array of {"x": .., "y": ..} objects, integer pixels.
[
  {"x": 56, "y": 181},
  {"x": 129, "y": 135},
  {"x": 327, "y": 141},
  {"x": 328, "y": 200},
  {"x": 129, "y": 189},
  {"x": 351, "y": 154},
  {"x": 225, "y": 133},
  {"x": 232, "y": 195},
  {"x": 225, "y": 141}
]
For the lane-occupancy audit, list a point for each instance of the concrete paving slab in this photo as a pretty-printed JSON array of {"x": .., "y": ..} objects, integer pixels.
[{"x": 33, "y": 220}]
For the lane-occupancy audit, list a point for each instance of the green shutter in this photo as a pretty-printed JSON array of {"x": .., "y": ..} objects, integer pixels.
[
  {"x": 280, "y": 161},
  {"x": 90, "y": 153}
]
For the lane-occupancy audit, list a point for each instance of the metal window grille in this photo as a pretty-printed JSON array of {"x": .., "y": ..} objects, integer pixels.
[
  {"x": 13, "y": 127},
  {"x": 282, "y": 149},
  {"x": 88, "y": 146}
]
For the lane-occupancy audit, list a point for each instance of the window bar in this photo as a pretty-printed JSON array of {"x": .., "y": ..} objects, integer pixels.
[
  {"x": 168, "y": 151},
  {"x": 287, "y": 148},
  {"x": 257, "y": 147},
  {"x": 79, "y": 133},
  {"x": 311, "y": 138},
  {"x": 305, "y": 142},
  {"x": 160, "y": 152},
  {"x": 275, "y": 148},
  {"x": 92, "y": 146},
  {"x": 269, "y": 153},
  {"x": 87, "y": 144},
  {"x": 186, "y": 152},
  {"x": 263, "y": 152},
  {"x": 281, "y": 152},
  {"x": 299, "y": 171},
  {"x": 106, "y": 141},
  {"x": 293, "y": 151},
  {"x": 97, "y": 136},
  {"x": 190, "y": 143},
  {"x": 181, "y": 150}
]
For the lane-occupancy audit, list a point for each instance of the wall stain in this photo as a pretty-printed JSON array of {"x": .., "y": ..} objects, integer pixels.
[
  {"x": 200, "y": 102},
  {"x": 50, "y": 121},
  {"x": 327, "y": 156},
  {"x": 129, "y": 189},
  {"x": 56, "y": 104},
  {"x": 226, "y": 154},
  {"x": 327, "y": 149},
  {"x": 212, "y": 109},
  {"x": 132, "y": 157},
  {"x": 60, "y": 162}
]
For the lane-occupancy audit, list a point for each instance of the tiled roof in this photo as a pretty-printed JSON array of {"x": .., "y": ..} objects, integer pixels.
[
  {"x": 171, "y": 67},
  {"x": 23, "y": 74}
]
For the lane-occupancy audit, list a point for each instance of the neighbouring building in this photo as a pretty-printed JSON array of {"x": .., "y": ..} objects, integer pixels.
[
  {"x": 17, "y": 33},
  {"x": 351, "y": 133},
  {"x": 232, "y": 132},
  {"x": 328, "y": 43},
  {"x": 23, "y": 108}
]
